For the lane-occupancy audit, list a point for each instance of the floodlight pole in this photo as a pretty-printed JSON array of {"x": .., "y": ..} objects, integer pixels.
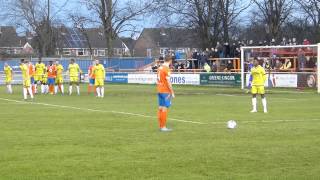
[{"x": 242, "y": 68}]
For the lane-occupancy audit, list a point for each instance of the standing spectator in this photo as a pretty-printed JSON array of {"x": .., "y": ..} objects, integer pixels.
[
  {"x": 203, "y": 59},
  {"x": 233, "y": 50},
  {"x": 226, "y": 49},
  {"x": 272, "y": 43},
  {"x": 195, "y": 57},
  {"x": 306, "y": 42},
  {"x": 220, "y": 50},
  {"x": 283, "y": 42},
  {"x": 294, "y": 41},
  {"x": 301, "y": 59}
]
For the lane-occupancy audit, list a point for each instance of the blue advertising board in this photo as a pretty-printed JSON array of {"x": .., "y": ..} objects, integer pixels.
[{"x": 117, "y": 77}]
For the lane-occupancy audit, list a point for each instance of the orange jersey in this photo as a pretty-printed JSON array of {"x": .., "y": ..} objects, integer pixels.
[
  {"x": 52, "y": 71},
  {"x": 163, "y": 78},
  {"x": 31, "y": 70},
  {"x": 90, "y": 72}
]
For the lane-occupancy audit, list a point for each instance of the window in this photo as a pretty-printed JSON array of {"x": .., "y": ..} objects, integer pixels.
[
  {"x": 163, "y": 51},
  {"x": 80, "y": 52},
  {"x": 66, "y": 52},
  {"x": 101, "y": 52}
]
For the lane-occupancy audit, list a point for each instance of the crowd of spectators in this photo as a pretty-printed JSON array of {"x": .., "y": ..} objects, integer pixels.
[{"x": 222, "y": 55}]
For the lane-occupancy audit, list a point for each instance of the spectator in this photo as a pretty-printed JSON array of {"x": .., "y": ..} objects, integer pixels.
[
  {"x": 156, "y": 65},
  {"x": 233, "y": 49},
  {"x": 195, "y": 57},
  {"x": 207, "y": 68},
  {"x": 229, "y": 66},
  {"x": 301, "y": 59},
  {"x": 220, "y": 50},
  {"x": 306, "y": 42},
  {"x": 226, "y": 49},
  {"x": 272, "y": 43},
  {"x": 294, "y": 41},
  {"x": 278, "y": 65},
  {"x": 283, "y": 42},
  {"x": 214, "y": 66},
  {"x": 310, "y": 63},
  {"x": 287, "y": 65},
  {"x": 203, "y": 59}
]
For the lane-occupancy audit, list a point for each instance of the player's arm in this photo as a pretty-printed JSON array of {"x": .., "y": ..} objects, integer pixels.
[
  {"x": 104, "y": 72},
  {"x": 264, "y": 75},
  {"x": 170, "y": 86}
]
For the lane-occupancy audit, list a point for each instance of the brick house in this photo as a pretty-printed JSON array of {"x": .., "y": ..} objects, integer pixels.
[{"x": 155, "y": 42}]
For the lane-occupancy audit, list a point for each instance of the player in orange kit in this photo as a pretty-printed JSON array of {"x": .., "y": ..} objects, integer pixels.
[
  {"x": 91, "y": 87},
  {"x": 165, "y": 93},
  {"x": 52, "y": 73},
  {"x": 31, "y": 73}
]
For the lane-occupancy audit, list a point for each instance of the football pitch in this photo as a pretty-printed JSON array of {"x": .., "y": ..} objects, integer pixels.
[{"x": 84, "y": 137}]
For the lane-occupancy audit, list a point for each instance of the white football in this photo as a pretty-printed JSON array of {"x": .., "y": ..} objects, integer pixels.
[{"x": 232, "y": 124}]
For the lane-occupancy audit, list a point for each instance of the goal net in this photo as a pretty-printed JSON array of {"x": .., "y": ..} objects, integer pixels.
[{"x": 286, "y": 66}]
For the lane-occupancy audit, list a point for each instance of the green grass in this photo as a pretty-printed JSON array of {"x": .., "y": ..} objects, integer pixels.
[{"x": 39, "y": 141}]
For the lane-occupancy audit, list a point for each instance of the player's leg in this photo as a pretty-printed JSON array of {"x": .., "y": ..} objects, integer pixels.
[
  {"x": 254, "y": 92},
  {"x": 28, "y": 88},
  {"x": 263, "y": 99},
  {"x": 78, "y": 87},
  {"x": 70, "y": 86},
  {"x": 32, "y": 85},
  {"x": 90, "y": 86},
  {"x": 164, "y": 104}
]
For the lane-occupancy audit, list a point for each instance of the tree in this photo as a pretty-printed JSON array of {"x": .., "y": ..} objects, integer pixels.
[
  {"x": 211, "y": 18},
  {"x": 229, "y": 11},
  {"x": 312, "y": 9},
  {"x": 274, "y": 14},
  {"x": 116, "y": 17},
  {"x": 33, "y": 16}
]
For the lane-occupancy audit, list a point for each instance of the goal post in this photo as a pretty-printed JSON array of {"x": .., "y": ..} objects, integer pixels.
[{"x": 287, "y": 66}]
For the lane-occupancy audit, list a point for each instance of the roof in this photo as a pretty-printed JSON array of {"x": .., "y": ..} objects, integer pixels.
[
  {"x": 9, "y": 37},
  {"x": 172, "y": 37},
  {"x": 74, "y": 38}
]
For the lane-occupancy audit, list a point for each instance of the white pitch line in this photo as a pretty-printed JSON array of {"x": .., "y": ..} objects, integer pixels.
[
  {"x": 97, "y": 110},
  {"x": 147, "y": 116}
]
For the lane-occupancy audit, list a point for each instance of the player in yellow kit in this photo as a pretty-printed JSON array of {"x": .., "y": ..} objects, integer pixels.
[
  {"x": 26, "y": 79},
  {"x": 9, "y": 76},
  {"x": 259, "y": 78},
  {"x": 100, "y": 75},
  {"x": 40, "y": 69},
  {"x": 59, "y": 78},
  {"x": 74, "y": 73}
]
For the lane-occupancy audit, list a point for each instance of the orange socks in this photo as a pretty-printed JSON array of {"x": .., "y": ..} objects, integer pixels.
[{"x": 162, "y": 118}]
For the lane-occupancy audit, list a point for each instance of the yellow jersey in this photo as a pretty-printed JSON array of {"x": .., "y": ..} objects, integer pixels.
[
  {"x": 258, "y": 76},
  {"x": 74, "y": 70},
  {"x": 59, "y": 68},
  {"x": 8, "y": 71},
  {"x": 40, "y": 68},
  {"x": 99, "y": 71},
  {"x": 25, "y": 71}
]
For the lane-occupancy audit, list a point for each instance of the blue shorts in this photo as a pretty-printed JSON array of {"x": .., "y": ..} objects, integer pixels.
[
  {"x": 32, "y": 80},
  {"x": 91, "y": 81},
  {"x": 51, "y": 81},
  {"x": 163, "y": 99}
]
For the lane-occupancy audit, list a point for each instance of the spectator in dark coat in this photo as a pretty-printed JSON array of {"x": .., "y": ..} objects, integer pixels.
[
  {"x": 203, "y": 59},
  {"x": 226, "y": 49},
  {"x": 195, "y": 56}
]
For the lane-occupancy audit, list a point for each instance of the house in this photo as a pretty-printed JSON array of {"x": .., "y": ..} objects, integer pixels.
[
  {"x": 155, "y": 42},
  {"x": 11, "y": 44},
  {"x": 91, "y": 41}
]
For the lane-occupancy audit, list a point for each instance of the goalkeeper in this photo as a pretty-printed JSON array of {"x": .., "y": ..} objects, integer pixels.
[{"x": 258, "y": 80}]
